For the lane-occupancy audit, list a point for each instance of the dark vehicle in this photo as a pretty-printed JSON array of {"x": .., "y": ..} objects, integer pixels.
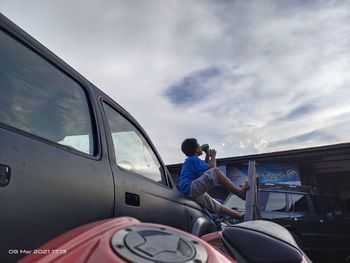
[
  {"x": 70, "y": 155},
  {"x": 313, "y": 220}
]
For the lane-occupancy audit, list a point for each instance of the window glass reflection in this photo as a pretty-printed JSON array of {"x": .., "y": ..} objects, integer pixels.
[{"x": 38, "y": 98}]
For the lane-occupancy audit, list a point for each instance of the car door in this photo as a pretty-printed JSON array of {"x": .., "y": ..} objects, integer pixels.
[
  {"x": 143, "y": 187},
  {"x": 302, "y": 220},
  {"x": 53, "y": 169},
  {"x": 333, "y": 231}
]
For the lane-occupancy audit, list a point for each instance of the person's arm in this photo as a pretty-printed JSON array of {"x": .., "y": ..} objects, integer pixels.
[
  {"x": 207, "y": 157},
  {"x": 212, "y": 159}
]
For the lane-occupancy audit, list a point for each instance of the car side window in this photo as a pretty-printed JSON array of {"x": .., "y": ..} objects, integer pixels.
[
  {"x": 298, "y": 203},
  {"x": 273, "y": 202},
  {"x": 322, "y": 206},
  {"x": 132, "y": 151},
  {"x": 39, "y": 99}
]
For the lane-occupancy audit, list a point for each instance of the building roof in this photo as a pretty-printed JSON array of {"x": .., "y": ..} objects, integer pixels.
[{"x": 335, "y": 152}]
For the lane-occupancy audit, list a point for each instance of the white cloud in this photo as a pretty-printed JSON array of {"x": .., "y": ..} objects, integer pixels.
[{"x": 283, "y": 66}]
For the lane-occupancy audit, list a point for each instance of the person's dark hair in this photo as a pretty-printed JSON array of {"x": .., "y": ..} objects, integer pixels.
[{"x": 188, "y": 146}]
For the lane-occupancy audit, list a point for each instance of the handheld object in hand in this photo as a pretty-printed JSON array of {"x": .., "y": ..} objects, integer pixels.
[{"x": 205, "y": 147}]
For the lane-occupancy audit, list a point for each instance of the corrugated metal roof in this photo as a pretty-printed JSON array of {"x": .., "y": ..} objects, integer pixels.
[{"x": 333, "y": 152}]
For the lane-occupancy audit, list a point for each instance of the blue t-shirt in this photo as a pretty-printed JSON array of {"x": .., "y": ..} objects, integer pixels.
[{"x": 192, "y": 168}]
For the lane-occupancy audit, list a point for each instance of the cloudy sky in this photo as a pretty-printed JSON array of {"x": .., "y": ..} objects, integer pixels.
[{"x": 244, "y": 76}]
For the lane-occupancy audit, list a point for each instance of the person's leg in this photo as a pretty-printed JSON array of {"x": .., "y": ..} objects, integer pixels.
[
  {"x": 228, "y": 185},
  {"x": 208, "y": 202},
  {"x": 202, "y": 184},
  {"x": 213, "y": 177},
  {"x": 212, "y": 205}
]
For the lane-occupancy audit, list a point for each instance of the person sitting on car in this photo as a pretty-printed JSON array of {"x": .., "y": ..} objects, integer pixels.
[{"x": 198, "y": 176}]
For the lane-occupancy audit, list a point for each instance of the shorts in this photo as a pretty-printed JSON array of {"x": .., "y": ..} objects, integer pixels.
[{"x": 200, "y": 187}]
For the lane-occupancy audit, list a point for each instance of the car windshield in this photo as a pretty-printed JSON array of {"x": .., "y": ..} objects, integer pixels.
[{"x": 235, "y": 203}]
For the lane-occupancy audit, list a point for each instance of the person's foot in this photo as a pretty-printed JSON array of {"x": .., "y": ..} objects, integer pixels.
[
  {"x": 238, "y": 215},
  {"x": 243, "y": 190}
]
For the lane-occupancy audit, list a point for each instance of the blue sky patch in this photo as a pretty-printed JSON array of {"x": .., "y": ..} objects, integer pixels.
[{"x": 192, "y": 88}]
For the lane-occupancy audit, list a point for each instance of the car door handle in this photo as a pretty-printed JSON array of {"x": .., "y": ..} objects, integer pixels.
[
  {"x": 132, "y": 199},
  {"x": 5, "y": 174}
]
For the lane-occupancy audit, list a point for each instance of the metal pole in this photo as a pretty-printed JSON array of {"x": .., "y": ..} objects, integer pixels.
[{"x": 251, "y": 194}]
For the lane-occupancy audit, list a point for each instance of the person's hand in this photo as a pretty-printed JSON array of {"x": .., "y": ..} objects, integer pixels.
[
  {"x": 212, "y": 153},
  {"x": 246, "y": 185}
]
